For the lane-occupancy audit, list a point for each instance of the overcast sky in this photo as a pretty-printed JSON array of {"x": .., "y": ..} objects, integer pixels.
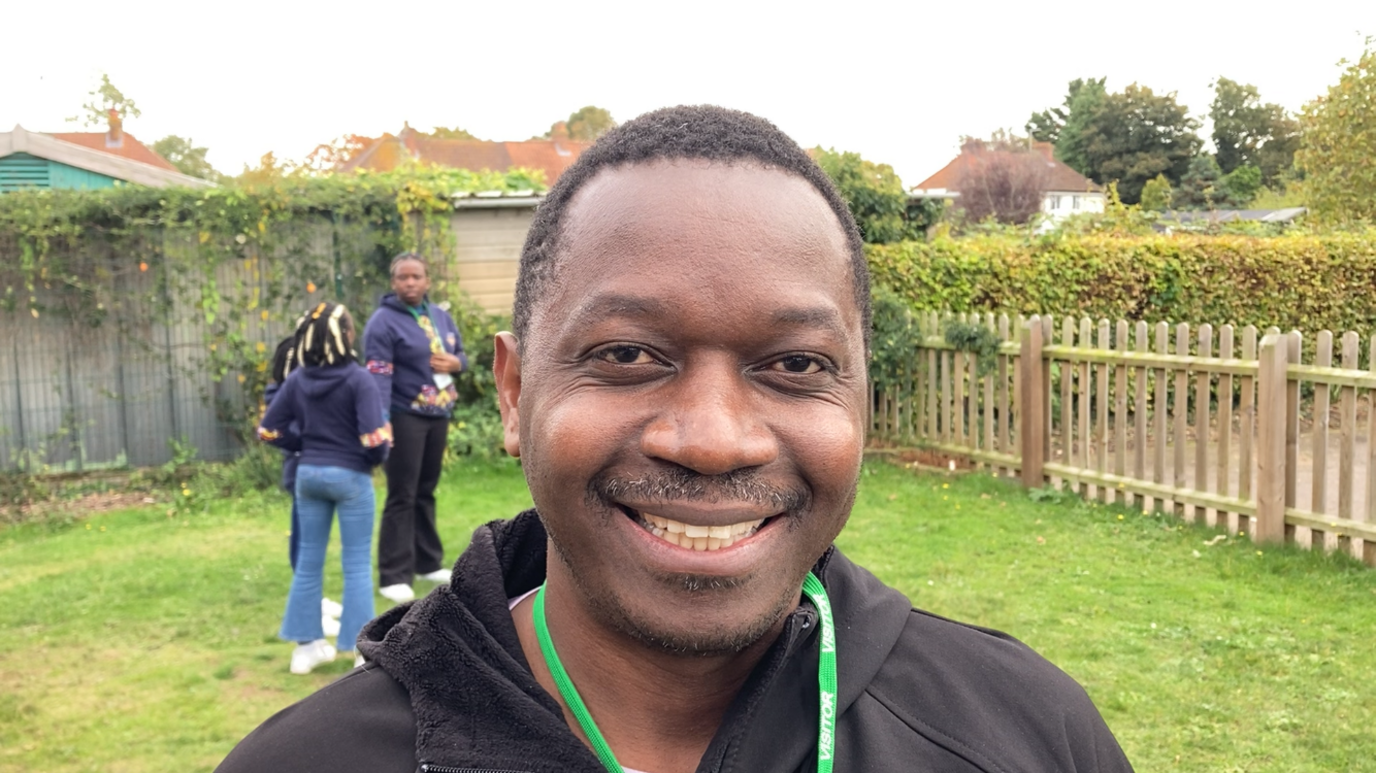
[{"x": 897, "y": 82}]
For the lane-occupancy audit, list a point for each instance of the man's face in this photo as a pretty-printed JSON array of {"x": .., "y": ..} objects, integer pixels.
[
  {"x": 410, "y": 282},
  {"x": 698, "y": 368}
]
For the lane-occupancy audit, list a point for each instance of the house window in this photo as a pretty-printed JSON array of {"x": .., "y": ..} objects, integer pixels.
[
  {"x": 1053, "y": 202},
  {"x": 1074, "y": 202}
]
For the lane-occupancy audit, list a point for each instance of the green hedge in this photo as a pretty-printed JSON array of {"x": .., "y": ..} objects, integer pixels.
[{"x": 1305, "y": 282}]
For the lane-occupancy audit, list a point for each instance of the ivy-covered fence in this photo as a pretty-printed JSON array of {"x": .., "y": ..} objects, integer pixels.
[{"x": 136, "y": 324}]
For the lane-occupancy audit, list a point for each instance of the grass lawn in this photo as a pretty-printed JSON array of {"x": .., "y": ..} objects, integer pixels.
[{"x": 131, "y": 641}]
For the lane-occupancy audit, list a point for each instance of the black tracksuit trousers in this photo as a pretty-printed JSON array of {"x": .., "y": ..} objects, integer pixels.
[{"x": 408, "y": 542}]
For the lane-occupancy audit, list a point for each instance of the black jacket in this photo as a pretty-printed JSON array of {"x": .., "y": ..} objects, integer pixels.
[{"x": 447, "y": 688}]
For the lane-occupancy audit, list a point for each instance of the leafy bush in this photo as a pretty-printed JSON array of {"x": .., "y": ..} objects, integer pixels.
[{"x": 1303, "y": 281}]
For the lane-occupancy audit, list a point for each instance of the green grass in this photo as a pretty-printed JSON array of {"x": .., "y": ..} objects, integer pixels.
[{"x": 147, "y": 643}]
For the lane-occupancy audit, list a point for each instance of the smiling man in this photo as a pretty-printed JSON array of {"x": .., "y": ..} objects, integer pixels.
[{"x": 686, "y": 387}]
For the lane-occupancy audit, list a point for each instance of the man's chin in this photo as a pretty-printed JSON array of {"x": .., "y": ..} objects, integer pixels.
[{"x": 696, "y": 634}]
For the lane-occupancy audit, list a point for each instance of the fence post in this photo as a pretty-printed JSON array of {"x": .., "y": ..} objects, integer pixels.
[
  {"x": 1031, "y": 421},
  {"x": 1271, "y": 423}
]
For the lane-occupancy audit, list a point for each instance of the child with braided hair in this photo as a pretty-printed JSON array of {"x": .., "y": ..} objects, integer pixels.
[{"x": 329, "y": 410}]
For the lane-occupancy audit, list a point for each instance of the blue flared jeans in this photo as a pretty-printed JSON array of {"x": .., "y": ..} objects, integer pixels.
[{"x": 321, "y": 493}]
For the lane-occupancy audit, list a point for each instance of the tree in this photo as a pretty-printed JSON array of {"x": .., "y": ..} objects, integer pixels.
[
  {"x": 331, "y": 155},
  {"x": 1337, "y": 150},
  {"x": 106, "y": 97},
  {"x": 268, "y": 171},
  {"x": 182, "y": 153},
  {"x": 1156, "y": 194},
  {"x": 586, "y": 124},
  {"x": 1001, "y": 179},
  {"x": 1130, "y": 136},
  {"x": 874, "y": 193},
  {"x": 1241, "y": 185},
  {"x": 1200, "y": 187},
  {"x": 1246, "y": 132},
  {"x": 451, "y": 133},
  {"x": 1047, "y": 125}
]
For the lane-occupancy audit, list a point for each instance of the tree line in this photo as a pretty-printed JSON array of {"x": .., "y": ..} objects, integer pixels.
[{"x": 583, "y": 125}]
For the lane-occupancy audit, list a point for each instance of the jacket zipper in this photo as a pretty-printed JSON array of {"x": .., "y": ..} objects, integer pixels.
[{"x": 428, "y": 768}]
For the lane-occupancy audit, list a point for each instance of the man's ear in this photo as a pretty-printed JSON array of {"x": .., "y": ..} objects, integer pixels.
[{"x": 506, "y": 368}]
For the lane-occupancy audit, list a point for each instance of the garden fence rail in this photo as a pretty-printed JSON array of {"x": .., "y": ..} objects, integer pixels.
[{"x": 1222, "y": 426}]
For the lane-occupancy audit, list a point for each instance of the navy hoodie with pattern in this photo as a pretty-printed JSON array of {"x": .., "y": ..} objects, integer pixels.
[
  {"x": 397, "y": 351},
  {"x": 332, "y": 414}
]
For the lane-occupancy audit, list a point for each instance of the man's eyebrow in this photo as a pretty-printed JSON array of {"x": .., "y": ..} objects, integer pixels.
[
  {"x": 809, "y": 316},
  {"x": 605, "y": 305}
]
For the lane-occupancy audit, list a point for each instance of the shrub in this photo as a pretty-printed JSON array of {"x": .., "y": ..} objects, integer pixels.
[{"x": 1308, "y": 282}]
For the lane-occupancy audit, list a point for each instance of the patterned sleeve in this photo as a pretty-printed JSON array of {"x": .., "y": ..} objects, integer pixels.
[
  {"x": 276, "y": 426},
  {"x": 378, "y": 348},
  {"x": 374, "y": 432}
]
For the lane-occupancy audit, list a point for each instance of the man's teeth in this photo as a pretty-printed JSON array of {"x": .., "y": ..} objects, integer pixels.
[{"x": 692, "y": 537}]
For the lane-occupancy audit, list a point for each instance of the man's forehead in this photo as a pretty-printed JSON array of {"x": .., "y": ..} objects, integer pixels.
[{"x": 698, "y": 204}]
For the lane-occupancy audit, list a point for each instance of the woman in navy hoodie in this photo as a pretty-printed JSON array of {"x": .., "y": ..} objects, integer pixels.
[
  {"x": 330, "y": 411},
  {"x": 413, "y": 349}
]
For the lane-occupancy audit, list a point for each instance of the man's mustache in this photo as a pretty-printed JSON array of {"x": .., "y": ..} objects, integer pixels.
[{"x": 680, "y": 484}]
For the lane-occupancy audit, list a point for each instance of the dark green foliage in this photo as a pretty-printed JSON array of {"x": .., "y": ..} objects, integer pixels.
[
  {"x": 1083, "y": 104},
  {"x": 1048, "y": 125},
  {"x": 182, "y": 153},
  {"x": 894, "y": 341},
  {"x": 1130, "y": 136},
  {"x": 1249, "y": 133},
  {"x": 976, "y": 339},
  {"x": 876, "y": 197}
]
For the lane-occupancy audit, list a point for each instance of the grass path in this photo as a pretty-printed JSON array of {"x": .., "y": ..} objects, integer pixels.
[{"x": 130, "y": 641}]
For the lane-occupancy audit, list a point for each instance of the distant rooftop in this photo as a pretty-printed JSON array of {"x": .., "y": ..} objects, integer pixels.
[
  {"x": 1061, "y": 178},
  {"x": 550, "y": 156}
]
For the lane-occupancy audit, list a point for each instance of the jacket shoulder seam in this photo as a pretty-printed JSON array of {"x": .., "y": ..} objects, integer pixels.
[{"x": 937, "y": 736}]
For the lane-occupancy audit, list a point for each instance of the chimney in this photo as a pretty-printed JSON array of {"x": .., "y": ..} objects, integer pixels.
[{"x": 115, "y": 137}]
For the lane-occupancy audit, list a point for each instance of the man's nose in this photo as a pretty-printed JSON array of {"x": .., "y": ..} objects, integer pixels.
[{"x": 711, "y": 423}]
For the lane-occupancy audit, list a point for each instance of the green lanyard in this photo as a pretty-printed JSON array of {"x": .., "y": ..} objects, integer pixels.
[{"x": 826, "y": 680}]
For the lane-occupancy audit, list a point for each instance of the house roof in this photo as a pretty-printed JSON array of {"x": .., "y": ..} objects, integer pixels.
[
  {"x": 83, "y": 155},
  {"x": 128, "y": 146},
  {"x": 1061, "y": 178},
  {"x": 388, "y": 151},
  {"x": 1231, "y": 215}
]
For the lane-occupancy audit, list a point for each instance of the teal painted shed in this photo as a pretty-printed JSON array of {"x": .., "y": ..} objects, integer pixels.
[{"x": 83, "y": 160}]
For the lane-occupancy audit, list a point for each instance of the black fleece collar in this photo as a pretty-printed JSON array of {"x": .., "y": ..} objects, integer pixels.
[{"x": 478, "y": 706}]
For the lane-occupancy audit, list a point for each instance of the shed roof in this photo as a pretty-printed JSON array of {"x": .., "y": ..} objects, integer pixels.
[
  {"x": 128, "y": 146},
  {"x": 83, "y": 155}
]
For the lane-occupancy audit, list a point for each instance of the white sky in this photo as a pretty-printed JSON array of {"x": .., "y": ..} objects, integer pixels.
[{"x": 898, "y": 82}]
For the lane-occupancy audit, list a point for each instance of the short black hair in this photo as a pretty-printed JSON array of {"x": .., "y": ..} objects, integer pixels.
[
  {"x": 402, "y": 257},
  {"x": 684, "y": 132}
]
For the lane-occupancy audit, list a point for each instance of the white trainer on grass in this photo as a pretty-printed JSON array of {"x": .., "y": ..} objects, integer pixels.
[
  {"x": 398, "y": 593},
  {"x": 331, "y": 608},
  {"x": 439, "y": 575},
  {"x": 307, "y": 656}
]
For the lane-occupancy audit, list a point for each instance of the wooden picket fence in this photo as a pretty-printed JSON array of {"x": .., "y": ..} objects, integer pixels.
[{"x": 1227, "y": 427}]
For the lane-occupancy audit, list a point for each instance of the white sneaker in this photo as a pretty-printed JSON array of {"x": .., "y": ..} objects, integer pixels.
[
  {"x": 330, "y": 625},
  {"x": 439, "y": 575},
  {"x": 308, "y": 656},
  {"x": 331, "y": 608},
  {"x": 398, "y": 593}
]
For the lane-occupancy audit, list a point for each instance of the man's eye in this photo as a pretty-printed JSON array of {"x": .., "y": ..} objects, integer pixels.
[
  {"x": 798, "y": 363},
  {"x": 625, "y": 355}
]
